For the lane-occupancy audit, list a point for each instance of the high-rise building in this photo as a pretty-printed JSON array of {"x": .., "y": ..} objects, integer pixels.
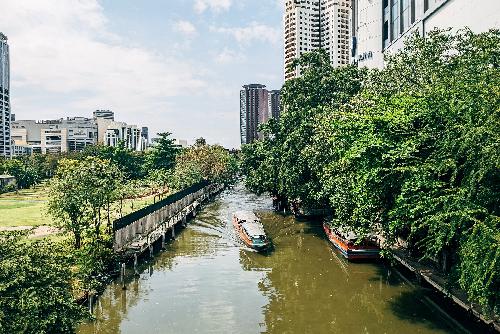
[
  {"x": 253, "y": 111},
  {"x": 5, "y": 112},
  {"x": 382, "y": 26},
  {"x": 274, "y": 104},
  {"x": 257, "y": 106},
  {"x": 315, "y": 24}
]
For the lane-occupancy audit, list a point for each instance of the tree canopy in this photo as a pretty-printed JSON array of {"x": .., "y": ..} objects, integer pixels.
[{"x": 411, "y": 151}]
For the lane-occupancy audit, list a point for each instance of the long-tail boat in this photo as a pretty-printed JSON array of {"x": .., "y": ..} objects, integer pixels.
[
  {"x": 250, "y": 230},
  {"x": 352, "y": 246}
]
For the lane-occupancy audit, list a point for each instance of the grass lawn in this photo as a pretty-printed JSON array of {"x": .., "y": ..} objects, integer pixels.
[{"x": 27, "y": 207}]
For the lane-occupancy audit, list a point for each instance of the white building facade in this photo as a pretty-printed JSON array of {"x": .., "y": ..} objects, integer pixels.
[
  {"x": 382, "y": 26},
  {"x": 314, "y": 24},
  {"x": 5, "y": 112},
  {"x": 73, "y": 134}
]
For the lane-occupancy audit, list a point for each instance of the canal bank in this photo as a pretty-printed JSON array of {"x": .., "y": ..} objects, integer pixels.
[{"x": 206, "y": 281}]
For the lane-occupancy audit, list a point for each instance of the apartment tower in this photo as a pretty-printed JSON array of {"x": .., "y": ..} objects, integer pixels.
[
  {"x": 254, "y": 110},
  {"x": 5, "y": 113},
  {"x": 315, "y": 24}
]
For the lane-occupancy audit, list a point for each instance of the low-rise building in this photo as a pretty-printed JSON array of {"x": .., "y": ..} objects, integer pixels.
[
  {"x": 382, "y": 26},
  {"x": 53, "y": 136},
  {"x": 73, "y": 134},
  {"x": 6, "y": 181}
]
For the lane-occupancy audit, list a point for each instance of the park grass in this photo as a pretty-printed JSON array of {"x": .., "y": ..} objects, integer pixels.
[{"x": 27, "y": 207}]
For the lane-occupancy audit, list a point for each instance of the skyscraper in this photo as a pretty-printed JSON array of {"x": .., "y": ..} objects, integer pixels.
[
  {"x": 274, "y": 104},
  {"x": 5, "y": 140},
  {"x": 254, "y": 102},
  {"x": 315, "y": 24}
]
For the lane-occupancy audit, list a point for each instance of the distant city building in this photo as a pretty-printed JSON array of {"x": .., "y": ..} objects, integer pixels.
[
  {"x": 257, "y": 106},
  {"x": 274, "y": 104},
  {"x": 314, "y": 24},
  {"x": 253, "y": 111},
  {"x": 53, "y": 136},
  {"x": 73, "y": 134},
  {"x": 145, "y": 135},
  {"x": 104, "y": 114},
  {"x": 129, "y": 135},
  {"x": 5, "y": 112},
  {"x": 381, "y": 26},
  {"x": 181, "y": 142}
]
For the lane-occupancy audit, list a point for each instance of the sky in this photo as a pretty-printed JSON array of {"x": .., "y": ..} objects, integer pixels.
[{"x": 171, "y": 65}]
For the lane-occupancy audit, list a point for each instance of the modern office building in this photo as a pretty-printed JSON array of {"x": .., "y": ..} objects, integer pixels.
[
  {"x": 129, "y": 135},
  {"x": 382, "y": 26},
  {"x": 5, "y": 112},
  {"x": 274, "y": 108},
  {"x": 72, "y": 134},
  {"x": 314, "y": 24}
]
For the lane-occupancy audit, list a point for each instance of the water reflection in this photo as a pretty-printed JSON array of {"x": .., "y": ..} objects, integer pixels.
[{"x": 208, "y": 282}]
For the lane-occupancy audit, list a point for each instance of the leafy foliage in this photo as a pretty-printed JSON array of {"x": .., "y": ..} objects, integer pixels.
[
  {"x": 35, "y": 287},
  {"x": 131, "y": 163},
  {"x": 81, "y": 192},
  {"x": 162, "y": 154},
  {"x": 411, "y": 151},
  {"x": 201, "y": 161}
]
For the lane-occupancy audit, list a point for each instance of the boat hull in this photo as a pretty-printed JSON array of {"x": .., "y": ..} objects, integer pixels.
[
  {"x": 246, "y": 239},
  {"x": 352, "y": 252}
]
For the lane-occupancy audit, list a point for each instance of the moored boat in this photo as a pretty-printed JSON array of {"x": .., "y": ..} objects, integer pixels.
[
  {"x": 352, "y": 246},
  {"x": 250, "y": 230}
]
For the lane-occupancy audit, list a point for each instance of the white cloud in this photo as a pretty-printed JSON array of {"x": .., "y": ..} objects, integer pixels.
[
  {"x": 185, "y": 27},
  {"x": 215, "y": 5},
  {"x": 228, "y": 56},
  {"x": 64, "y": 48},
  {"x": 253, "y": 32}
]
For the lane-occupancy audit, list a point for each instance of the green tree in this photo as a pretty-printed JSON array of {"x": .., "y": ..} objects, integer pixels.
[
  {"x": 81, "y": 192},
  {"x": 35, "y": 287},
  {"x": 211, "y": 162},
  {"x": 67, "y": 199},
  {"x": 129, "y": 162},
  {"x": 162, "y": 154}
]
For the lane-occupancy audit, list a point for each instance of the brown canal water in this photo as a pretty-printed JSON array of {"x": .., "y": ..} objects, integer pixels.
[{"x": 208, "y": 282}]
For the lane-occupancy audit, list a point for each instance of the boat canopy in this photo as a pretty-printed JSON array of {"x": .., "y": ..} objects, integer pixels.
[
  {"x": 253, "y": 229},
  {"x": 246, "y": 216}
]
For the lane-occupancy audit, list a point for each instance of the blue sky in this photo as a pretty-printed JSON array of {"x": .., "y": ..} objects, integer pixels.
[{"x": 172, "y": 65}]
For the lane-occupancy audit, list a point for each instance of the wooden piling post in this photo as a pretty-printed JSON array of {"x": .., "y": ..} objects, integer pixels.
[
  {"x": 91, "y": 302},
  {"x": 184, "y": 221},
  {"x": 163, "y": 241},
  {"x": 173, "y": 231},
  {"x": 122, "y": 275},
  {"x": 136, "y": 271},
  {"x": 151, "y": 250}
]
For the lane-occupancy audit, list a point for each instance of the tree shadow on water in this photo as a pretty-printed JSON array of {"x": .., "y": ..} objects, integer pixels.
[{"x": 412, "y": 307}]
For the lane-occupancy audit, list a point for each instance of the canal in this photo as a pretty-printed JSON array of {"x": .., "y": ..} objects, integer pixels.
[{"x": 208, "y": 282}]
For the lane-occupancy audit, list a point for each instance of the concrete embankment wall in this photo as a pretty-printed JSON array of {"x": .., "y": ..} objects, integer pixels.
[{"x": 148, "y": 224}]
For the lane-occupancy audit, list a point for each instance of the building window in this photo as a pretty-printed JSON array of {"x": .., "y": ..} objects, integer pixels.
[
  {"x": 394, "y": 19},
  {"x": 405, "y": 15}
]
